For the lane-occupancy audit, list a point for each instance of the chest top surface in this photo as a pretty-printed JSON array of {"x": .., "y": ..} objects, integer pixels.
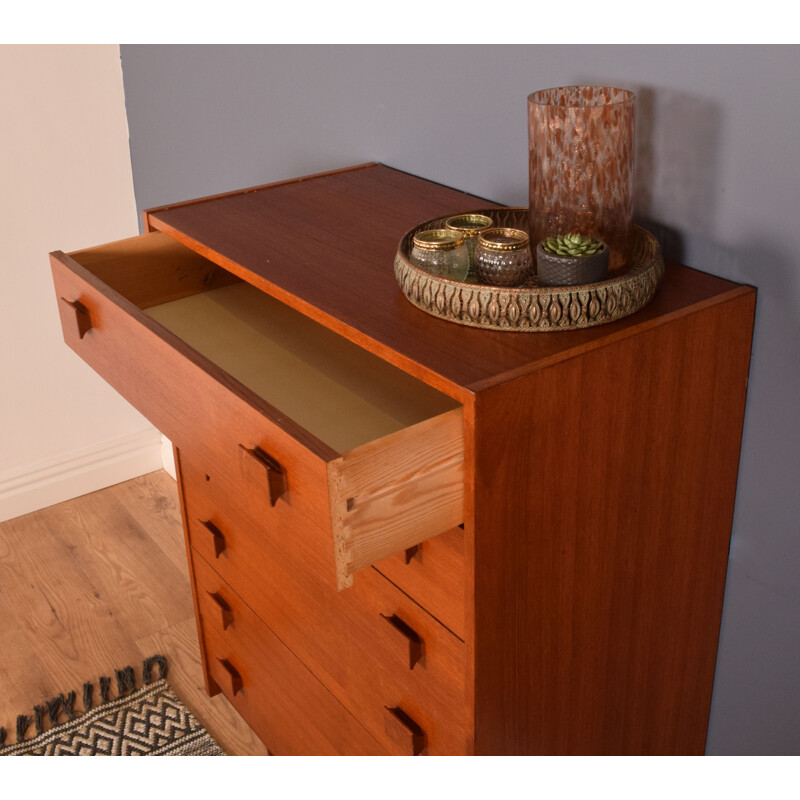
[{"x": 325, "y": 245}]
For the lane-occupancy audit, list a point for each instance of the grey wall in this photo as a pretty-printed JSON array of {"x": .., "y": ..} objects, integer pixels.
[{"x": 717, "y": 176}]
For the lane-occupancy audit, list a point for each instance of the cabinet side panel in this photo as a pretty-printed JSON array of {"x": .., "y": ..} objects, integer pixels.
[{"x": 604, "y": 501}]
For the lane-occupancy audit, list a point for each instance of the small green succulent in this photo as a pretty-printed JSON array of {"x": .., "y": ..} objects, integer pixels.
[{"x": 571, "y": 244}]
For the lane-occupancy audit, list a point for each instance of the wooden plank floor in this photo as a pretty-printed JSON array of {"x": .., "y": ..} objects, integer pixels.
[{"x": 98, "y": 583}]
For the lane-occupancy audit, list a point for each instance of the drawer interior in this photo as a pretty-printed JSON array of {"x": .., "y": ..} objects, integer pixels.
[{"x": 334, "y": 389}]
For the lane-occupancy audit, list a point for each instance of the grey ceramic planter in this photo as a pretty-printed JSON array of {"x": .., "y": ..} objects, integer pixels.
[{"x": 570, "y": 270}]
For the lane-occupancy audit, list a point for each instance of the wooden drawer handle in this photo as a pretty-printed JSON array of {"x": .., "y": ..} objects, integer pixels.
[
  {"x": 219, "y": 539},
  {"x": 226, "y": 612},
  {"x": 402, "y": 730},
  {"x": 276, "y": 478},
  {"x": 82, "y": 320},
  {"x": 233, "y": 680},
  {"x": 411, "y": 553},
  {"x": 410, "y": 638}
]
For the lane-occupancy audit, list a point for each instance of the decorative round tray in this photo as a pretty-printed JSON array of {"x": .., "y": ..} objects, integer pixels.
[{"x": 532, "y": 308}]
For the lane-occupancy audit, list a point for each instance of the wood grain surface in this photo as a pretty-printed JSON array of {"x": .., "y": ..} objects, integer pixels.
[
  {"x": 152, "y": 269},
  {"x": 326, "y": 246},
  {"x": 603, "y": 518},
  {"x": 284, "y": 702},
  {"x": 396, "y": 492},
  {"x": 65, "y": 572},
  {"x": 341, "y": 636},
  {"x": 434, "y": 575}
]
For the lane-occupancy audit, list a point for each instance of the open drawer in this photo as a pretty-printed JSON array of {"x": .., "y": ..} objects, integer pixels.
[{"x": 305, "y": 424}]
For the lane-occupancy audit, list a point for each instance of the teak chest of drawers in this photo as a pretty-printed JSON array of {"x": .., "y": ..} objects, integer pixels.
[{"x": 407, "y": 536}]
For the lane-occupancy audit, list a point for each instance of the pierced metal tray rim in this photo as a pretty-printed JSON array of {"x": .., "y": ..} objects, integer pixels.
[{"x": 531, "y": 308}]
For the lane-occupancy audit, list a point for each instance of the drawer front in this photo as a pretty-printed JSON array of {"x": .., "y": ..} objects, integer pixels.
[
  {"x": 434, "y": 574},
  {"x": 281, "y": 700},
  {"x": 372, "y": 646},
  {"x": 193, "y": 402},
  {"x": 233, "y": 633}
]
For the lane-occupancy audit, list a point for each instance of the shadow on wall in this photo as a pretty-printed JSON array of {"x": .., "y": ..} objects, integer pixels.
[
  {"x": 676, "y": 177},
  {"x": 677, "y": 184}
]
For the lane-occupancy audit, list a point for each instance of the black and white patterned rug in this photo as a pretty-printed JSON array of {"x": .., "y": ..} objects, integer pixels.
[{"x": 149, "y": 721}]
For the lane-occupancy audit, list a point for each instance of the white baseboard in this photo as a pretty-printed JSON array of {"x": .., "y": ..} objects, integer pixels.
[
  {"x": 54, "y": 480},
  {"x": 168, "y": 457}
]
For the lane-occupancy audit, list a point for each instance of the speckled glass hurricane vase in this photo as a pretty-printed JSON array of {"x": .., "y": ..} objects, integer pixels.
[{"x": 581, "y": 141}]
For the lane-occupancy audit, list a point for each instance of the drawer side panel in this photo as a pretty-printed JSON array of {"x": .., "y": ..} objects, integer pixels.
[{"x": 397, "y": 492}]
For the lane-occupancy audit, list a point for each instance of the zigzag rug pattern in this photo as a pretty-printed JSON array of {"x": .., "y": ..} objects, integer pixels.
[{"x": 150, "y": 721}]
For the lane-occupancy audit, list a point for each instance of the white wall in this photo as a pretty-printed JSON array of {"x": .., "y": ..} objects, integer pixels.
[{"x": 65, "y": 183}]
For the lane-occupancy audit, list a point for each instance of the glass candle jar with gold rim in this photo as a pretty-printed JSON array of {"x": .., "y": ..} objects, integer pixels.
[
  {"x": 441, "y": 252},
  {"x": 469, "y": 226},
  {"x": 503, "y": 257}
]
